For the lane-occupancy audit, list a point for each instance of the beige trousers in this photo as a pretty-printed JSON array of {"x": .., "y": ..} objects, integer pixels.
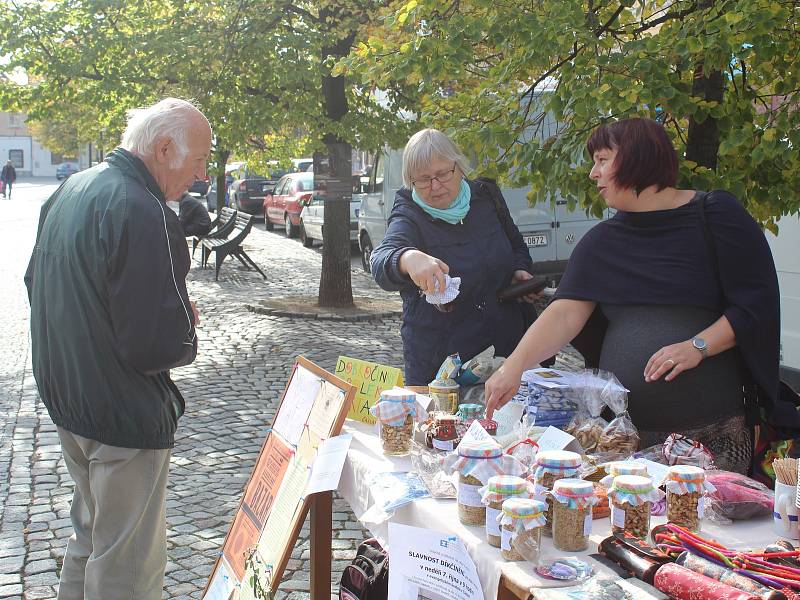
[{"x": 119, "y": 546}]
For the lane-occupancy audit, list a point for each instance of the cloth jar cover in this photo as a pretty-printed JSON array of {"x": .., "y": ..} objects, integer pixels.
[
  {"x": 563, "y": 463},
  {"x": 685, "y": 479},
  {"x": 634, "y": 489},
  {"x": 574, "y": 493},
  {"x": 395, "y": 405},
  {"x": 482, "y": 459},
  {"x": 522, "y": 513},
  {"x": 623, "y": 467},
  {"x": 500, "y": 487}
]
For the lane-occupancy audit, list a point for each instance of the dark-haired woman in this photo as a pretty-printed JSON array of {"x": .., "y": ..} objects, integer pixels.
[{"x": 676, "y": 294}]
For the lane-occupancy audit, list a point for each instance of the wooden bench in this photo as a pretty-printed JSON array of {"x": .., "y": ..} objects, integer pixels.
[
  {"x": 232, "y": 244},
  {"x": 221, "y": 226}
]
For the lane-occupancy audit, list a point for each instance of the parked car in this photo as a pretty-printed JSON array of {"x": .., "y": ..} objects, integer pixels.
[
  {"x": 200, "y": 186},
  {"x": 550, "y": 229},
  {"x": 312, "y": 219},
  {"x": 211, "y": 195},
  {"x": 246, "y": 192},
  {"x": 285, "y": 203},
  {"x": 65, "y": 169},
  {"x": 303, "y": 164}
]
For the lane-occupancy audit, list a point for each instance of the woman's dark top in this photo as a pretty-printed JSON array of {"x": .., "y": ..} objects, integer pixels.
[
  {"x": 662, "y": 258},
  {"x": 478, "y": 250},
  {"x": 708, "y": 393}
]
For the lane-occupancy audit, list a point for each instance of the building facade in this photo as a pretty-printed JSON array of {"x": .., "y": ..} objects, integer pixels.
[{"x": 29, "y": 158}]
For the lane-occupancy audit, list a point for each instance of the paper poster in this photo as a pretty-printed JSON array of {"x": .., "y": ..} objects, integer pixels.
[
  {"x": 241, "y": 541},
  {"x": 327, "y": 467},
  {"x": 266, "y": 479},
  {"x": 369, "y": 379},
  {"x": 221, "y": 585},
  {"x": 325, "y": 410},
  {"x": 430, "y": 565},
  {"x": 296, "y": 406}
]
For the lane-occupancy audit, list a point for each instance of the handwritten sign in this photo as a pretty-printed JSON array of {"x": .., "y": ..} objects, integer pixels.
[{"x": 369, "y": 379}]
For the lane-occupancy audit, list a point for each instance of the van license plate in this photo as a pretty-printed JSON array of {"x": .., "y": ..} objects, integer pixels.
[{"x": 536, "y": 240}]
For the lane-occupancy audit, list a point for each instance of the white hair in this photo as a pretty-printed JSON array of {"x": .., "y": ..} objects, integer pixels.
[
  {"x": 171, "y": 118},
  {"x": 425, "y": 146}
]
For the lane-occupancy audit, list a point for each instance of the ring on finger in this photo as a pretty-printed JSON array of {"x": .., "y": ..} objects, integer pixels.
[{"x": 669, "y": 360}]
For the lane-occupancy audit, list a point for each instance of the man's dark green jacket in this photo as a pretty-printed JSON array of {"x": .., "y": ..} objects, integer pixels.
[{"x": 110, "y": 314}]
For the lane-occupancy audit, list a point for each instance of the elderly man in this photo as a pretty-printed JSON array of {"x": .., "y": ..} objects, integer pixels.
[{"x": 110, "y": 316}]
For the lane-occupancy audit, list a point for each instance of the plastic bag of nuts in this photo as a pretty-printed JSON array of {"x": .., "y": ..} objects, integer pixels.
[
  {"x": 521, "y": 522},
  {"x": 572, "y": 513},
  {"x": 686, "y": 486},
  {"x": 396, "y": 411},
  {"x": 552, "y": 465},
  {"x": 494, "y": 493},
  {"x": 631, "y": 497},
  {"x": 476, "y": 461},
  {"x": 620, "y": 436}
]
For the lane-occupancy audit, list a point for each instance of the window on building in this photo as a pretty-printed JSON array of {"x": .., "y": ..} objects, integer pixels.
[{"x": 17, "y": 158}]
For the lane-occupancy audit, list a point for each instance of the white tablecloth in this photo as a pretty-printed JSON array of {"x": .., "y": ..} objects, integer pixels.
[{"x": 366, "y": 458}]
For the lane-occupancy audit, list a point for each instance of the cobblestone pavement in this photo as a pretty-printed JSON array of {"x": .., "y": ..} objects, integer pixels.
[{"x": 232, "y": 391}]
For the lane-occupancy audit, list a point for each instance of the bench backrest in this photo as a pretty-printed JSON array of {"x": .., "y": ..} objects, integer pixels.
[
  {"x": 241, "y": 228},
  {"x": 227, "y": 221}
]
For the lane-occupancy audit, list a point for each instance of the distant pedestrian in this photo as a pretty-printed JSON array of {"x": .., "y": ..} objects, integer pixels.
[
  {"x": 193, "y": 216},
  {"x": 7, "y": 178},
  {"x": 110, "y": 316}
]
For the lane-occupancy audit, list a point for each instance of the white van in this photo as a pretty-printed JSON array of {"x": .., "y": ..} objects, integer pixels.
[
  {"x": 786, "y": 252},
  {"x": 550, "y": 231}
]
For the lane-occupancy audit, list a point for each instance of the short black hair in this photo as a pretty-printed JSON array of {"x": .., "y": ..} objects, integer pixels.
[{"x": 645, "y": 154}]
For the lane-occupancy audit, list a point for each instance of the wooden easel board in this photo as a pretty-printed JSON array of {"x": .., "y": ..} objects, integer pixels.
[{"x": 259, "y": 543}]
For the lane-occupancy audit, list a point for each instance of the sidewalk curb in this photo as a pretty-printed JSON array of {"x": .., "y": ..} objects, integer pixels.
[{"x": 275, "y": 312}]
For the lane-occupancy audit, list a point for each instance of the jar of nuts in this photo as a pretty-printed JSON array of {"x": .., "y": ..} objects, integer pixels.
[
  {"x": 631, "y": 497},
  {"x": 623, "y": 467},
  {"x": 521, "y": 522},
  {"x": 552, "y": 465},
  {"x": 476, "y": 461},
  {"x": 686, "y": 486},
  {"x": 500, "y": 488},
  {"x": 572, "y": 513},
  {"x": 396, "y": 411},
  {"x": 445, "y": 395}
]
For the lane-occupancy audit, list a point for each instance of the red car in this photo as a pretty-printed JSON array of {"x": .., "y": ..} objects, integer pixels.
[{"x": 284, "y": 204}]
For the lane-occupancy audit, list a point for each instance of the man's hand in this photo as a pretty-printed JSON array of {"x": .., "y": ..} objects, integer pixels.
[
  {"x": 522, "y": 275},
  {"x": 425, "y": 271},
  {"x": 195, "y": 313}
]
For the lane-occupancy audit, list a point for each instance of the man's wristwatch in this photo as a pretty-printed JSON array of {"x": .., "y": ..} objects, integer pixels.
[{"x": 700, "y": 344}]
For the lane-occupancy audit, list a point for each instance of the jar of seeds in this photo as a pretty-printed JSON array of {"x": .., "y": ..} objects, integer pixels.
[
  {"x": 622, "y": 467},
  {"x": 521, "y": 523},
  {"x": 396, "y": 411},
  {"x": 631, "y": 497},
  {"x": 686, "y": 486},
  {"x": 445, "y": 395},
  {"x": 476, "y": 461},
  {"x": 572, "y": 513},
  {"x": 500, "y": 488},
  {"x": 552, "y": 465}
]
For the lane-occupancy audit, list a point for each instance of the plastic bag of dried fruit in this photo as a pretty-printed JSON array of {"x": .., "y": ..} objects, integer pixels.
[{"x": 620, "y": 436}]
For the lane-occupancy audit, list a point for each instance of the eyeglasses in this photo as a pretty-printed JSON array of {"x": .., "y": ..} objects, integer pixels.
[{"x": 425, "y": 183}]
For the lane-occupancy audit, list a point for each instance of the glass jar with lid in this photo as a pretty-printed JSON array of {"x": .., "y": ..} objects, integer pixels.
[
  {"x": 631, "y": 498},
  {"x": 521, "y": 521},
  {"x": 573, "y": 500},
  {"x": 497, "y": 490},
  {"x": 686, "y": 486},
  {"x": 396, "y": 411},
  {"x": 552, "y": 465}
]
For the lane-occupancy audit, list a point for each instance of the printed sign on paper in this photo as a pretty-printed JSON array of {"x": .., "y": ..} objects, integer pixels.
[{"x": 369, "y": 379}]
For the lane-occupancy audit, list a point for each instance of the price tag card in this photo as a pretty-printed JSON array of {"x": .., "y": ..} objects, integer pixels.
[{"x": 555, "y": 439}]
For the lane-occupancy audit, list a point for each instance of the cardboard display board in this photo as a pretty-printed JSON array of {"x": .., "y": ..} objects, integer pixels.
[
  {"x": 266, "y": 525},
  {"x": 369, "y": 379}
]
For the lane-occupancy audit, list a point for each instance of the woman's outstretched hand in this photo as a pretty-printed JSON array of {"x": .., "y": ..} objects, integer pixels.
[
  {"x": 425, "y": 270},
  {"x": 501, "y": 387}
]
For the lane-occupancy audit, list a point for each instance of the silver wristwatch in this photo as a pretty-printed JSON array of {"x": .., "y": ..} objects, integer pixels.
[{"x": 700, "y": 344}]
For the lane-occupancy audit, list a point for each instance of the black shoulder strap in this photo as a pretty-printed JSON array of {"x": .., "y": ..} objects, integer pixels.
[
  {"x": 499, "y": 204},
  {"x": 709, "y": 237}
]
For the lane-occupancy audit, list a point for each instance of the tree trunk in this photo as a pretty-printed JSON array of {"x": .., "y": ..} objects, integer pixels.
[
  {"x": 221, "y": 156},
  {"x": 702, "y": 144},
  {"x": 333, "y": 178},
  {"x": 335, "y": 286}
]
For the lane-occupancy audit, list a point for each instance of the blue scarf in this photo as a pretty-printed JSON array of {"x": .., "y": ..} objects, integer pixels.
[{"x": 452, "y": 214}]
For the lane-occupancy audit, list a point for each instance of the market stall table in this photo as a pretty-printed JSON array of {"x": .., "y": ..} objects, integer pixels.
[{"x": 499, "y": 578}]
